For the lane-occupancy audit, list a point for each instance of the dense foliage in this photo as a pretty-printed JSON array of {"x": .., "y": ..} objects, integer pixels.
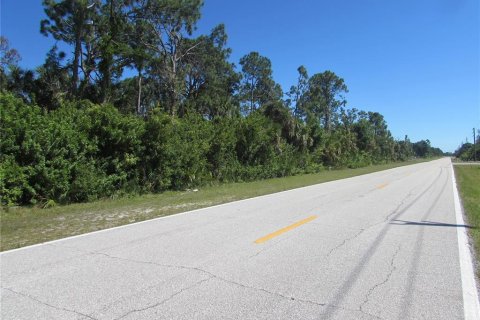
[
  {"x": 140, "y": 105},
  {"x": 468, "y": 151}
]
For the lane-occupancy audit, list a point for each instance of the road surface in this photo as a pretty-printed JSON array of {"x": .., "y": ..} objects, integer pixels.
[{"x": 378, "y": 246}]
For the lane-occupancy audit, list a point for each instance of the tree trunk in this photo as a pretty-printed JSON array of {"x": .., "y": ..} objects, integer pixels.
[
  {"x": 251, "y": 97},
  {"x": 76, "y": 62},
  {"x": 173, "y": 78},
  {"x": 139, "y": 100},
  {"x": 105, "y": 69}
]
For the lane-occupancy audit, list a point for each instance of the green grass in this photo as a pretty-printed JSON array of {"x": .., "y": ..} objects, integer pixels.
[
  {"x": 24, "y": 226},
  {"x": 468, "y": 180}
]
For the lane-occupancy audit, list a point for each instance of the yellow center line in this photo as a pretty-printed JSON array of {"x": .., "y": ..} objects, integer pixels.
[
  {"x": 382, "y": 186},
  {"x": 286, "y": 229}
]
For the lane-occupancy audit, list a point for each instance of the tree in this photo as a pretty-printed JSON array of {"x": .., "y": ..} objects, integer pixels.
[
  {"x": 112, "y": 40},
  {"x": 9, "y": 59},
  {"x": 324, "y": 97},
  {"x": 383, "y": 138},
  {"x": 8, "y": 56},
  {"x": 257, "y": 85},
  {"x": 13, "y": 78},
  {"x": 51, "y": 84},
  {"x": 210, "y": 80},
  {"x": 405, "y": 150},
  {"x": 297, "y": 93},
  {"x": 71, "y": 131},
  {"x": 466, "y": 151},
  {"x": 422, "y": 148},
  {"x": 171, "y": 21},
  {"x": 20, "y": 82},
  {"x": 138, "y": 53},
  {"x": 68, "y": 21}
]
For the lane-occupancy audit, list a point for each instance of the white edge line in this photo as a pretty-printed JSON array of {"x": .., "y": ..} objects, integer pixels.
[
  {"x": 191, "y": 211},
  {"x": 471, "y": 304}
]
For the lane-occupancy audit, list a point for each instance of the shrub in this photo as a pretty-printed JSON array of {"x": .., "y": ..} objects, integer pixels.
[{"x": 175, "y": 151}]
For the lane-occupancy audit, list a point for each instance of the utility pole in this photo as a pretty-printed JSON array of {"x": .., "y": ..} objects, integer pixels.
[{"x": 474, "y": 146}]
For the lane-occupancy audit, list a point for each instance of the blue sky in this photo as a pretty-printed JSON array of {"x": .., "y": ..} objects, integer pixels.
[{"x": 415, "y": 61}]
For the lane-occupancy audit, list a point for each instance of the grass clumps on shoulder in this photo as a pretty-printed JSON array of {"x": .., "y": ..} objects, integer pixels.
[{"x": 468, "y": 179}]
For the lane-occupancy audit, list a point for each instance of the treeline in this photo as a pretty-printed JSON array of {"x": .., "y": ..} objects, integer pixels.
[
  {"x": 143, "y": 106},
  {"x": 423, "y": 149},
  {"x": 468, "y": 151}
]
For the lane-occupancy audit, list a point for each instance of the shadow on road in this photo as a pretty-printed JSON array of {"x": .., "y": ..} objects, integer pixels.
[{"x": 430, "y": 224}]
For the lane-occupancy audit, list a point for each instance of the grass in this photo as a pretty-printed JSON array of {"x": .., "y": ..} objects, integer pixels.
[
  {"x": 24, "y": 226},
  {"x": 468, "y": 179}
]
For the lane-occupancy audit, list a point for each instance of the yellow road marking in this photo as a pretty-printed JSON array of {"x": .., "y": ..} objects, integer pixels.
[
  {"x": 286, "y": 229},
  {"x": 382, "y": 186}
]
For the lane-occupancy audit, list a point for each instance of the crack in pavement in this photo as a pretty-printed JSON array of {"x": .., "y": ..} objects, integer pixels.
[
  {"x": 387, "y": 278},
  {"x": 344, "y": 242},
  {"x": 397, "y": 211},
  {"x": 413, "y": 269},
  {"x": 211, "y": 275},
  {"x": 214, "y": 276},
  {"x": 387, "y": 218},
  {"x": 268, "y": 247},
  {"x": 354, "y": 275},
  {"x": 279, "y": 295},
  {"x": 107, "y": 305},
  {"x": 371, "y": 315},
  {"x": 217, "y": 277},
  {"x": 47, "y": 304},
  {"x": 291, "y": 298},
  {"x": 164, "y": 300}
]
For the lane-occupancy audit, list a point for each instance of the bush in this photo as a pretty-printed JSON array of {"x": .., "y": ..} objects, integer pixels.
[
  {"x": 77, "y": 152},
  {"x": 175, "y": 152},
  {"x": 118, "y": 148},
  {"x": 83, "y": 151},
  {"x": 221, "y": 156},
  {"x": 14, "y": 184}
]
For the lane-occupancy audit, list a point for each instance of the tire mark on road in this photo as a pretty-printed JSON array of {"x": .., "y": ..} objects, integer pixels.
[
  {"x": 407, "y": 301},
  {"x": 355, "y": 273},
  {"x": 362, "y": 230}
]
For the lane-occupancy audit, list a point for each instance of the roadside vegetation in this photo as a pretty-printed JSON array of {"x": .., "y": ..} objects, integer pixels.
[
  {"x": 139, "y": 105},
  {"x": 139, "y": 110},
  {"x": 468, "y": 179},
  {"x": 82, "y": 151},
  {"x": 22, "y": 226},
  {"x": 468, "y": 151}
]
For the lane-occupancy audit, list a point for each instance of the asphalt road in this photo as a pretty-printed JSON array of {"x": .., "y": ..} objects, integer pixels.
[{"x": 378, "y": 246}]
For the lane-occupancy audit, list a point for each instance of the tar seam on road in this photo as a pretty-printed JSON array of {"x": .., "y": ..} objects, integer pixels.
[
  {"x": 286, "y": 229},
  {"x": 471, "y": 305}
]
